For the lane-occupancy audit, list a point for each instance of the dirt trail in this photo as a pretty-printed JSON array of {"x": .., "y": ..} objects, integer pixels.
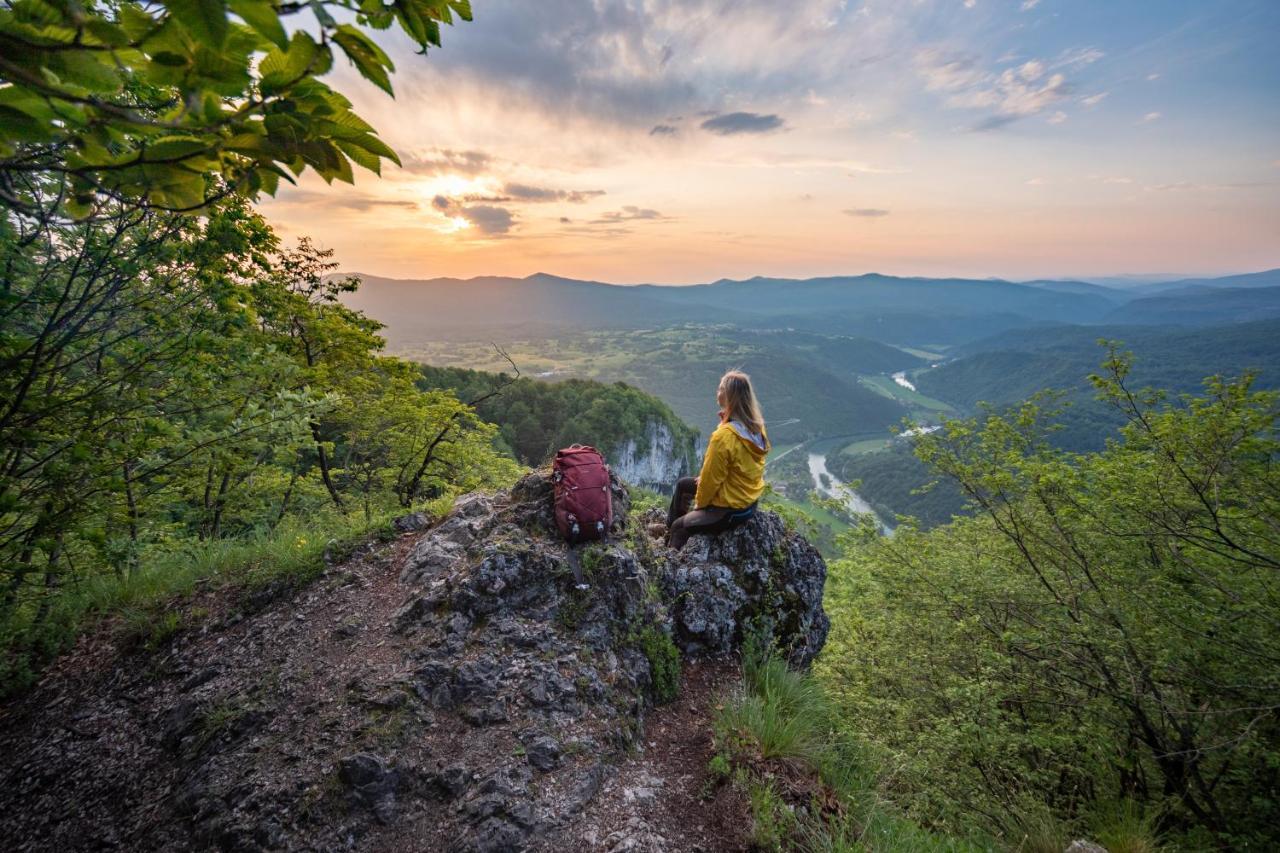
[{"x": 663, "y": 798}]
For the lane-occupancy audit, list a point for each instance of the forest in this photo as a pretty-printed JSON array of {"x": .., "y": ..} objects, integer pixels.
[
  {"x": 1095, "y": 648},
  {"x": 174, "y": 376},
  {"x": 535, "y": 419}
]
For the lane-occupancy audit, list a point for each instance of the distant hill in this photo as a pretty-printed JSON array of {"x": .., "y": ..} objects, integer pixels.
[
  {"x": 874, "y": 293},
  {"x": 910, "y": 311},
  {"x": 477, "y": 308},
  {"x": 1266, "y": 278},
  {"x": 919, "y": 312},
  {"x": 1011, "y": 367},
  {"x": 1202, "y": 305},
  {"x": 638, "y": 434},
  {"x": 1084, "y": 288}
]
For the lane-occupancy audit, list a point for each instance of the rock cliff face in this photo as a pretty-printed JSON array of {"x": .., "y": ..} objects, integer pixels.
[
  {"x": 655, "y": 461},
  {"x": 459, "y": 689}
]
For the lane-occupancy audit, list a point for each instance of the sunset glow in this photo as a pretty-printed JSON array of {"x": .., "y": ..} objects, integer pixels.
[{"x": 682, "y": 142}]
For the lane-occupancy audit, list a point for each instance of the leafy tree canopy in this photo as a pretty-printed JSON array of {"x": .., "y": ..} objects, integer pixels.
[{"x": 174, "y": 104}]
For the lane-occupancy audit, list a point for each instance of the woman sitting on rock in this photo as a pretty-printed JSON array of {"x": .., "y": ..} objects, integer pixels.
[{"x": 725, "y": 493}]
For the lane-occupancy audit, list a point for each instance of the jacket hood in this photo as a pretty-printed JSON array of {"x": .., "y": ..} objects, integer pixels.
[{"x": 758, "y": 443}]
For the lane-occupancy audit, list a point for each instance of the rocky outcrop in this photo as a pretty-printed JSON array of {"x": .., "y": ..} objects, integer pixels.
[
  {"x": 466, "y": 688},
  {"x": 655, "y": 461}
]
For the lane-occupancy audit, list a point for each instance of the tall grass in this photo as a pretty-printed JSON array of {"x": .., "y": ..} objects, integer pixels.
[
  {"x": 293, "y": 552},
  {"x": 783, "y": 720},
  {"x": 784, "y": 717}
]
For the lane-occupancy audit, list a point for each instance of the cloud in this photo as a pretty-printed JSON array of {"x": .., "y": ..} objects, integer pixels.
[
  {"x": 1150, "y": 117},
  {"x": 629, "y": 63},
  {"x": 348, "y": 200},
  {"x": 1152, "y": 77},
  {"x": 943, "y": 72},
  {"x": 446, "y": 161},
  {"x": 628, "y": 213},
  {"x": 1017, "y": 92},
  {"x": 1057, "y": 118},
  {"x": 969, "y": 4},
  {"x": 1036, "y": 182},
  {"x": 866, "y": 212},
  {"x": 1094, "y": 100},
  {"x": 993, "y": 123},
  {"x": 489, "y": 220},
  {"x": 1078, "y": 57},
  {"x": 1028, "y": 5},
  {"x": 526, "y": 192},
  {"x": 729, "y": 124},
  {"x": 663, "y": 130}
]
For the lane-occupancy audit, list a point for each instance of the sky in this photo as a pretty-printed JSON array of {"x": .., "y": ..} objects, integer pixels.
[{"x": 684, "y": 141}]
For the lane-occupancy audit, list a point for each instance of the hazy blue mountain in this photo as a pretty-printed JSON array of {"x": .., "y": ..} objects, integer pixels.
[
  {"x": 904, "y": 311},
  {"x": 1013, "y": 366},
  {"x": 1084, "y": 288},
  {"x": 475, "y": 308},
  {"x": 1201, "y": 305},
  {"x": 874, "y": 293},
  {"x": 1266, "y": 278}
]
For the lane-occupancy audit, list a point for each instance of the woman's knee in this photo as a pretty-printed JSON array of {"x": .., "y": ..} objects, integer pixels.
[{"x": 677, "y": 534}]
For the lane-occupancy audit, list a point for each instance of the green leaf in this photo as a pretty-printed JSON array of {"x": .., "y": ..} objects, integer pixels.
[
  {"x": 367, "y": 57},
  {"x": 362, "y": 157},
  {"x": 18, "y": 126},
  {"x": 175, "y": 148},
  {"x": 281, "y": 69},
  {"x": 373, "y": 144},
  {"x": 135, "y": 22},
  {"x": 206, "y": 20},
  {"x": 262, "y": 16},
  {"x": 462, "y": 8},
  {"x": 87, "y": 70}
]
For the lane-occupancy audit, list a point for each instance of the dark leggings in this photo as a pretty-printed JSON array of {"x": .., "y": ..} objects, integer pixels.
[{"x": 681, "y": 523}]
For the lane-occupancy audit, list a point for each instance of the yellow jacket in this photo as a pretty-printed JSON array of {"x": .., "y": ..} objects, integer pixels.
[{"x": 733, "y": 468}]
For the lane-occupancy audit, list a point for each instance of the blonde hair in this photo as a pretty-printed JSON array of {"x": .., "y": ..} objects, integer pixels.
[{"x": 740, "y": 401}]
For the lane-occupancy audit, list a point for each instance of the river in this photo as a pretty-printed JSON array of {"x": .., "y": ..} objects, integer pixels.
[{"x": 829, "y": 486}]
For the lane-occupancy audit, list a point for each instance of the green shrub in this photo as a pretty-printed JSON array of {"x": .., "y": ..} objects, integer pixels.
[
  {"x": 664, "y": 663},
  {"x": 643, "y": 500}
]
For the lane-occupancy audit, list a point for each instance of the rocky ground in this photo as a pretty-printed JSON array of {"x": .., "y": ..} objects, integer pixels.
[{"x": 456, "y": 689}]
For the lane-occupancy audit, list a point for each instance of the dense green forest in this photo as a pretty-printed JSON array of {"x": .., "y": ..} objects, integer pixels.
[
  {"x": 535, "y": 419},
  {"x": 1011, "y": 367},
  {"x": 895, "y": 482},
  {"x": 1097, "y": 644},
  {"x": 173, "y": 376},
  {"x": 172, "y": 381}
]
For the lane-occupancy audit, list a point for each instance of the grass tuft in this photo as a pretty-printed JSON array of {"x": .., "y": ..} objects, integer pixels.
[
  {"x": 811, "y": 787},
  {"x": 292, "y": 554}
]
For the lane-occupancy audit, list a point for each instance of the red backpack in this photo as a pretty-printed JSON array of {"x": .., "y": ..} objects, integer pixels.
[{"x": 584, "y": 506}]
